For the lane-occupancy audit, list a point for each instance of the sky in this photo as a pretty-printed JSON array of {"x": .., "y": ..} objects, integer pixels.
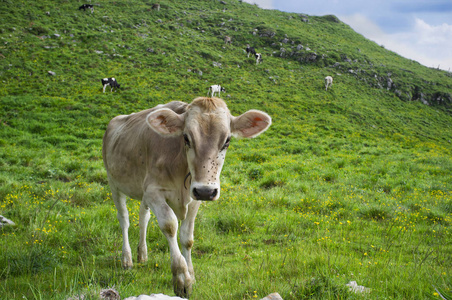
[{"x": 420, "y": 30}]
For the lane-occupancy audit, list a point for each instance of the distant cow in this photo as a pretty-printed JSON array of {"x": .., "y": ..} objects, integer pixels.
[
  {"x": 250, "y": 50},
  {"x": 215, "y": 89},
  {"x": 156, "y": 6},
  {"x": 87, "y": 6},
  {"x": 170, "y": 157},
  {"x": 111, "y": 82},
  {"x": 328, "y": 82},
  {"x": 227, "y": 40},
  {"x": 258, "y": 58}
]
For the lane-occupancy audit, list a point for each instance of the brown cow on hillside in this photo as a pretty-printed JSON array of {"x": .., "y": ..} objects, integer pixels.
[{"x": 170, "y": 157}]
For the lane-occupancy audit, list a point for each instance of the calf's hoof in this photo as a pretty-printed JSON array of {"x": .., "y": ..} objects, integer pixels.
[
  {"x": 184, "y": 292},
  {"x": 142, "y": 256},
  {"x": 182, "y": 289},
  {"x": 127, "y": 261}
]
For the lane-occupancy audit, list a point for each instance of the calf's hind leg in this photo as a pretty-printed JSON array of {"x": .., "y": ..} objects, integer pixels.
[
  {"x": 123, "y": 218},
  {"x": 143, "y": 223}
]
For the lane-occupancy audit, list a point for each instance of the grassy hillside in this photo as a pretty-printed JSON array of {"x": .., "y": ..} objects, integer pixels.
[{"x": 349, "y": 184}]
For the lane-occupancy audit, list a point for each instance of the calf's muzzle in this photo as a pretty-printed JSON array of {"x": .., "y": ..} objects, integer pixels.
[{"x": 205, "y": 193}]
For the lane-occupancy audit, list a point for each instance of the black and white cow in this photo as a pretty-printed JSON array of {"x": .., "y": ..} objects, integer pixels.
[
  {"x": 258, "y": 58},
  {"x": 111, "y": 82},
  {"x": 250, "y": 50},
  {"x": 328, "y": 82},
  {"x": 215, "y": 89},
  {"x": 87, "y": 6}
]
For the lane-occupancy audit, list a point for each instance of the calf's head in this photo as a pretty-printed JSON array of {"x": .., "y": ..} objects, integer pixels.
[{"x": 205, "y": 129}]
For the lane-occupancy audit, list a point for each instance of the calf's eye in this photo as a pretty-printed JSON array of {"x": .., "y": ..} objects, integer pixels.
[
  {"x": 226, "y": 144},
  {"x": 186, "y": 140}
]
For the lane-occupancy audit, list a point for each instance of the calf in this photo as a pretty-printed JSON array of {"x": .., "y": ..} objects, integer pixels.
[
  {"x": 258, "y": 58},
  {"x": 170, "y": 157},
  {"x": 328, "y": 82},
  {"x": 250, "y": 50},
  {"x": 111, "y": 82},
  {"x": 87, "y": 6},
  {"x": 215, "y": 89}
]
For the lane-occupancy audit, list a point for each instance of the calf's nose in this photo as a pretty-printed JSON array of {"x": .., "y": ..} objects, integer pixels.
[{"x": 205, "y": 193}]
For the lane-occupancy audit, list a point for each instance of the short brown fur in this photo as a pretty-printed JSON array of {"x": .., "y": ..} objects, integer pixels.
[{"x": 209, "y": 104}]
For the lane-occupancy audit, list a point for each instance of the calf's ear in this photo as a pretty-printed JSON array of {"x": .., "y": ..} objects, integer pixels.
[
  {"x": 250, "y": 124},
  {"x": 164, "y": 121}
]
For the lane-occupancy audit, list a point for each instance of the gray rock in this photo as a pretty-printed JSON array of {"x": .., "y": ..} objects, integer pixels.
[
  {"x": 109, "y": 294},
  {"x": 389, "y": 83},
  {"x": 274, "y": 296},
  {"x": 354, "y": 287},
  {"x": 5, "y": 222}
]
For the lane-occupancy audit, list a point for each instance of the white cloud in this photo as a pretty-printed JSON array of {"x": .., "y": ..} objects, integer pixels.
[
  {"x": 364, "y": 26},
  {"x": 429, "y": 45},
  {"x": 435, "y": 35}
]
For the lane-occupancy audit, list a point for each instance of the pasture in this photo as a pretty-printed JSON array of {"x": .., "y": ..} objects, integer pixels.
[{"x": 349, "y": 184}]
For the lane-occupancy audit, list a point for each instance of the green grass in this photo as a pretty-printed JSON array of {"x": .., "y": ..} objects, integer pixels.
[{"x": 349, "y": 184}]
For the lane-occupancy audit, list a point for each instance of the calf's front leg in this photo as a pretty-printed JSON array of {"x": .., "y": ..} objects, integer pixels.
[
  {"x": 168, "y": 223},
  {"x": 186, "y": 235}
]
